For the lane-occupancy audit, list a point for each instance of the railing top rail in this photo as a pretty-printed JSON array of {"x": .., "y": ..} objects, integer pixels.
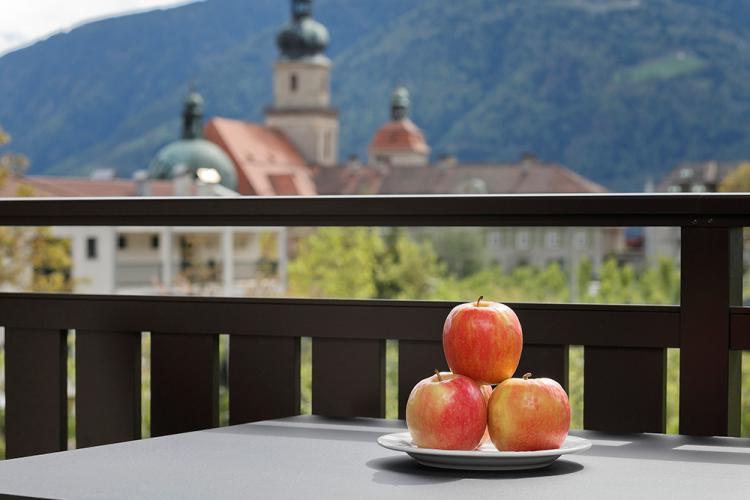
[{"x": 705, "y": 209}]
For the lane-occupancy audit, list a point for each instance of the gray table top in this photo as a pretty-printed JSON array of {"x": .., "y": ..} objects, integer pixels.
[{"x": 315, "y": 457}]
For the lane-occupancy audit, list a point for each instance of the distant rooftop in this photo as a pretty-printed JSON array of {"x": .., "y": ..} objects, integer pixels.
[
  {"x": 64, "y": 187},
  {"x": 526, "y": 177},
  {"x": 697, "y": 176}
]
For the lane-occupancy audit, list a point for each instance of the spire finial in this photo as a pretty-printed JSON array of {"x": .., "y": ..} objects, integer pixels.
[
  {"x": 400, "y": 103},
  {"x": 301, "y": 8},
  {"x": 192, "y": 115}
]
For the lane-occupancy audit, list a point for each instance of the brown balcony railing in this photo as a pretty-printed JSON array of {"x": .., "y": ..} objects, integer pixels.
[{"x": 624, "y": 346}]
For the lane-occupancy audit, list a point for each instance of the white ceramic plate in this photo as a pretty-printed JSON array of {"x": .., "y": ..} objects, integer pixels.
[{"x": 484, "y": 458}]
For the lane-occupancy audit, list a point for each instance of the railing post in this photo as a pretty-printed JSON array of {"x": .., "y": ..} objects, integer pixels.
[{"x": 709, "y": 375}]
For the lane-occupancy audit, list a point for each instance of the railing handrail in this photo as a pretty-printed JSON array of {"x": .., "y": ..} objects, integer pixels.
[
  {"x": 607, "y": 209},
  {"x": 361, "y": 318}
]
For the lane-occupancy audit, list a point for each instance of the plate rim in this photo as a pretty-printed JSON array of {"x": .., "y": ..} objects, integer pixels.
[{"x": 579, "y": 444}]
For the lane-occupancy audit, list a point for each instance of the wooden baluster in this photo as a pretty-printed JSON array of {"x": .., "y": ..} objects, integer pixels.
[
  {"x": 264, "y": 378},
  {"x": 108, "y": 387},
  {"x": 624, "y": 389},
  {"x": 348, "y": 377},
  {"x": 184, "y": 383},
  {"x": 35, "y": 391}
]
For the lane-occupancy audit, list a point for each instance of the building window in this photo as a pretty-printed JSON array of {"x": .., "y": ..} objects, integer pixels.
[
  {"x": 91, "y": 248},
  {"x": 579, "y": 240},
  {"x": 293, "y": 82},
  {"x": 155, "y": 241},
  {"x": 495, "y": 239},
  {"x": 522, "y": 240},
  {"x": 122, "y": 242},
  {"x": 553, "y": 239}
]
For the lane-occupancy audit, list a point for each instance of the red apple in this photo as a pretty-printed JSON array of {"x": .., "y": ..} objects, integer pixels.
[
  {"x": 483, "y": 340},
  {"x": 526, "y": 414},
  {"x": 447, "y": 412}
]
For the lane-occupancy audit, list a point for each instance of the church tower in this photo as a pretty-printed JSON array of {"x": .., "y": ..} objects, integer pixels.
[{"x": 302, "y": 88}]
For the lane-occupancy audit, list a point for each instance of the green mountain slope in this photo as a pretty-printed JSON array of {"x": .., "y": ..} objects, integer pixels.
[{"x": 616, "y": 89}]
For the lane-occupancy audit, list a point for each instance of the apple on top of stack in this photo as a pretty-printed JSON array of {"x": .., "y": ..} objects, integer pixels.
[{"x": 459, "y": 410}]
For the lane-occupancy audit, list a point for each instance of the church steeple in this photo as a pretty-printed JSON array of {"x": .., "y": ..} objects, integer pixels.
[
  {"x": 399, "y": 143},
  {"x": 302, "y": 88}
]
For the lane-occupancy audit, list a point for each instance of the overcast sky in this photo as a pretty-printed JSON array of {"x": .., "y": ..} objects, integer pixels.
[{"x": 23, "y": 21}]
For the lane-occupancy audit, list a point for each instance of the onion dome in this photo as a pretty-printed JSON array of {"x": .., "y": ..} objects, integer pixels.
[
  {"x": 202, "y": 158},
  {"x": 303, "y": 37}
]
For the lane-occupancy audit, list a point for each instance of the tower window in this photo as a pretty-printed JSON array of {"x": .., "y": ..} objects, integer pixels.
[
  {"x": 155, "y": 241},
  {"x": 293, "y": 82},
  {"x": 91, "y": 248},
  {"x": 327, "y": 146},
  {"x": 122, "y": 242}
]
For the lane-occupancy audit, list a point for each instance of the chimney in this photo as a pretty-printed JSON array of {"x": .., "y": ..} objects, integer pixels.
[
  {"x": 142, "y": 183},
  {"x": 649, "y": 186},
  {"x": 353, "y": 162},
  {"x": 528, "y": 159},
  {"x": 103, "y": 174},
  {"x": 447, "y": 160}
]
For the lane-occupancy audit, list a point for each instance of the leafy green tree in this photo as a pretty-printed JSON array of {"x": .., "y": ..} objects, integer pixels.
[
  {"x": 524, "y": 283},
  {"x": 462, "y": 250},
  {"x": 30, "y": 259},
  {"x": 737, "y": 181},
  {"x": 363, "y": 263},
  {"x": 336, "y": 262}
]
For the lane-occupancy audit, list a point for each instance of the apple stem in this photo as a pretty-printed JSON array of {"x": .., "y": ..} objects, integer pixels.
[
  {"x": 437, "y": 374},
  {"x": 479, "y": 299},
  {"x": 526, "y": 376}
]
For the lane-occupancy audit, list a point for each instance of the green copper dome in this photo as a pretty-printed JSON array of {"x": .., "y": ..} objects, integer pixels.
[
  {"x": 193, "y": 152},
  {"x": 304, "y": 37}
]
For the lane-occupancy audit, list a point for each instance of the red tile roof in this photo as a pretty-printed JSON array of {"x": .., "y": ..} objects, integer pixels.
[
  {"x": 494, "y": 179},
  {"x": 259, "y": 153},
  {"x": 80, "y": 187},
  {"x": 400, "y": 135}
]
